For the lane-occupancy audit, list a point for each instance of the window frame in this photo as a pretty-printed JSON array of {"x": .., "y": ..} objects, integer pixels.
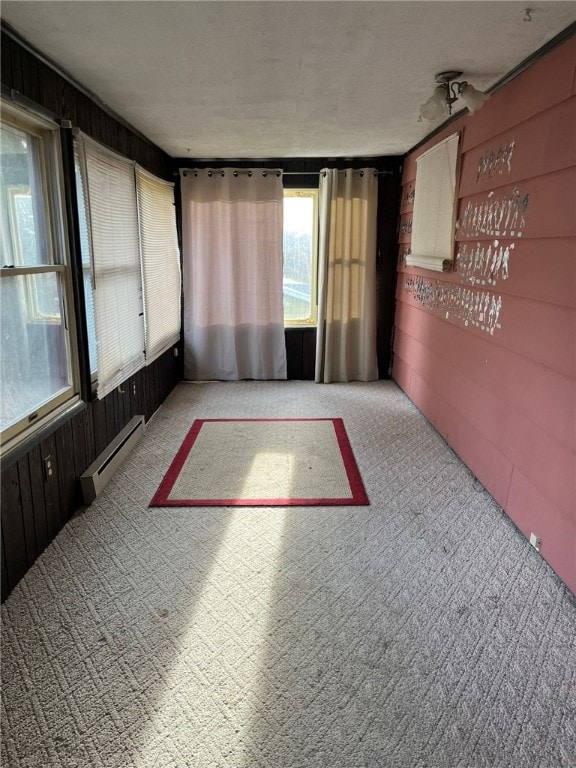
[
  {"x": 81, "y": 203},
  {"x": 54, "y": 235},
  {"x": 312, "y": 320}
]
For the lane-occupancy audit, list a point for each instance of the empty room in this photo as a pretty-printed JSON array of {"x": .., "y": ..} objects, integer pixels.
[{"x": 287, "y": 370}]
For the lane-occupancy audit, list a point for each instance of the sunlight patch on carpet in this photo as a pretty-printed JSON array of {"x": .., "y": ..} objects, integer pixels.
[{"x": 219, "y": 650}]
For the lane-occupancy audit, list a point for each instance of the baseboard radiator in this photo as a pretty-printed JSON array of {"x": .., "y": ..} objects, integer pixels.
[{"x": 101, "y": 470}]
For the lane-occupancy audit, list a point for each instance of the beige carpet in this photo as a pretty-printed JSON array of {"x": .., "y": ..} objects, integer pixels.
[
  {"x": 422, "y": 631},
  {"x": 263, "y": 462}
]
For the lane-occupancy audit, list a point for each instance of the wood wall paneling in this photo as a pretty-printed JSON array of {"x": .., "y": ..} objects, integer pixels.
[
  {"x": 515, "y": 380},
  {"x": 300, "y": 353},
  {"x": 27, "y": 507},
  {"x": 13, "y": 528},
  {"x": 503, "y": 395},
  {"x": 43, "y": 537},
  {"x": 294, "y": 345},
  {"x": 509, "y": 158},
  {"x": 34, "y": 506},
  {"x": 545, "y": 84},
  {"x": 55, "y": 515},
  {"x": 4, "y": 579},
  {"x": 309, "y": 354},
  {"x": 525, "y": 505},
  {"x": 67, "y": 479}
]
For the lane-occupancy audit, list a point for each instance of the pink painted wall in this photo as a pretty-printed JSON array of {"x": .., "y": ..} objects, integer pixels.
[{"x": 487, "y": 351}]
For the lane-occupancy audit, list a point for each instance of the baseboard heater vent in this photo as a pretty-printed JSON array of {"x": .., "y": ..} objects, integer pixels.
[{"x": 101, "y": 470}]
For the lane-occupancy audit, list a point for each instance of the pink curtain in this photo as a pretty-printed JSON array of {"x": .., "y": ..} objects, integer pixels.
[{"x": 232, "y": 274}]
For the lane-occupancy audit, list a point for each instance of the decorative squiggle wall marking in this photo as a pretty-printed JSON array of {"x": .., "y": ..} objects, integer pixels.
[
  {"x": 410, "y": 194},
  {"x": 404, "y": 252},
  {"x": 406, "y": 228},
  {"x": 480, "y": 309},
  {"x": 495, "y": 161},
  {"x": 501, "y": 217},
  {"x": 484, "y": 264}
]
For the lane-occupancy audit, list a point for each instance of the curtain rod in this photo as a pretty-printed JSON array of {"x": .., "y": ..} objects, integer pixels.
[{"x": 341, "y": 170}]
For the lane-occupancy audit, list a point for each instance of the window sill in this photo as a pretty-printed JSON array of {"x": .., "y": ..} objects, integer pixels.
[{"x": 20, "y": 445}]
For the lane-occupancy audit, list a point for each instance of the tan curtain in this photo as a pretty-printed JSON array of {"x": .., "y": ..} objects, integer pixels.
[
  {"x": 232, "y": 274},
  {"x": 346, "y": 345}
]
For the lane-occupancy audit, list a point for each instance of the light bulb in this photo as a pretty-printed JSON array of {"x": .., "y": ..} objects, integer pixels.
[
  {"x": 436, "y": 106},
  {"x": 472, "y": 97}
]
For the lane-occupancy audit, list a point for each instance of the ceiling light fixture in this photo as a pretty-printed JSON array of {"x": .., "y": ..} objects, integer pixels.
[{"x": 448, "y": 90}]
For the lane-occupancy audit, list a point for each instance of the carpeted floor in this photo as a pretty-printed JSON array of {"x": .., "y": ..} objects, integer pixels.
[{"x": 422, "y": 631}]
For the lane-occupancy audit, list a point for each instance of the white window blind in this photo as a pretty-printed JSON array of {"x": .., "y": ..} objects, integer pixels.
[
  {"x": 112, "y": 212},
  {"x": 86, "y": 251},
  {"x": 160, "y": 263},
  {"x": 432, "y": 245}
]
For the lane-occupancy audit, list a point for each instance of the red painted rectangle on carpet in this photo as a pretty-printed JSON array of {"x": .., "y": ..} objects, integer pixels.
[{"x": 263, "y": 462}]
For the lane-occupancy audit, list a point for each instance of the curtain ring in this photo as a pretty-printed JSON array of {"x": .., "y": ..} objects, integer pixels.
[
  {"x": 210, "y": 174},
  {"x": 250, "y": 174},
  {"x": 196, "y": 173},
  {"x": 264, "y": 174},
  {"x": 184, "y": 174},
  {"x": 278, "y": 174},
  {"x": 235, "y": 174},
  {"x": 222, "y": 174},
  {"x": 361, "y": 174}
]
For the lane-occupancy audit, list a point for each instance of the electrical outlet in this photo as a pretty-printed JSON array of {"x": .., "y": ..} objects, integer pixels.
[
  {"x": 535, "y": 541},
  {"x": 48, "y": 469}
]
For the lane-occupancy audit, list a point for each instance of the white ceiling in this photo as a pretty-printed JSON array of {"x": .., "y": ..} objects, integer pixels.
[{"x": 281, "y": 79}]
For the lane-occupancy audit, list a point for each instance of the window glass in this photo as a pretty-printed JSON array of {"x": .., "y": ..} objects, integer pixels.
[
  {"x": 37, "y": 370},
  {"x": 34, "y": 346},
  {"x": 23, "y": 214},
  {"x": 300, "y": 256}
]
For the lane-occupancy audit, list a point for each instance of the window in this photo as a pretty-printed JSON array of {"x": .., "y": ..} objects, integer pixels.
[
  {"x": 112, "y": 223},
  {"x": 300, "y": 256},
  {"x": 130, "y": 260},
  {"x": 160, "y": 263},
  {"x": 434, "y": 214},
  {"x": 38, "y": 371}
]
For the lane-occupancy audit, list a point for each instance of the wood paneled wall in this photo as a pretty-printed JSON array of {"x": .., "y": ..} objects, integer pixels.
[
  {"x": 23, "y": 72},
  {"x": 35, "y": 507},
  {"x": 487, "y": 351},
  {"x": 300, "y": 353}
]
